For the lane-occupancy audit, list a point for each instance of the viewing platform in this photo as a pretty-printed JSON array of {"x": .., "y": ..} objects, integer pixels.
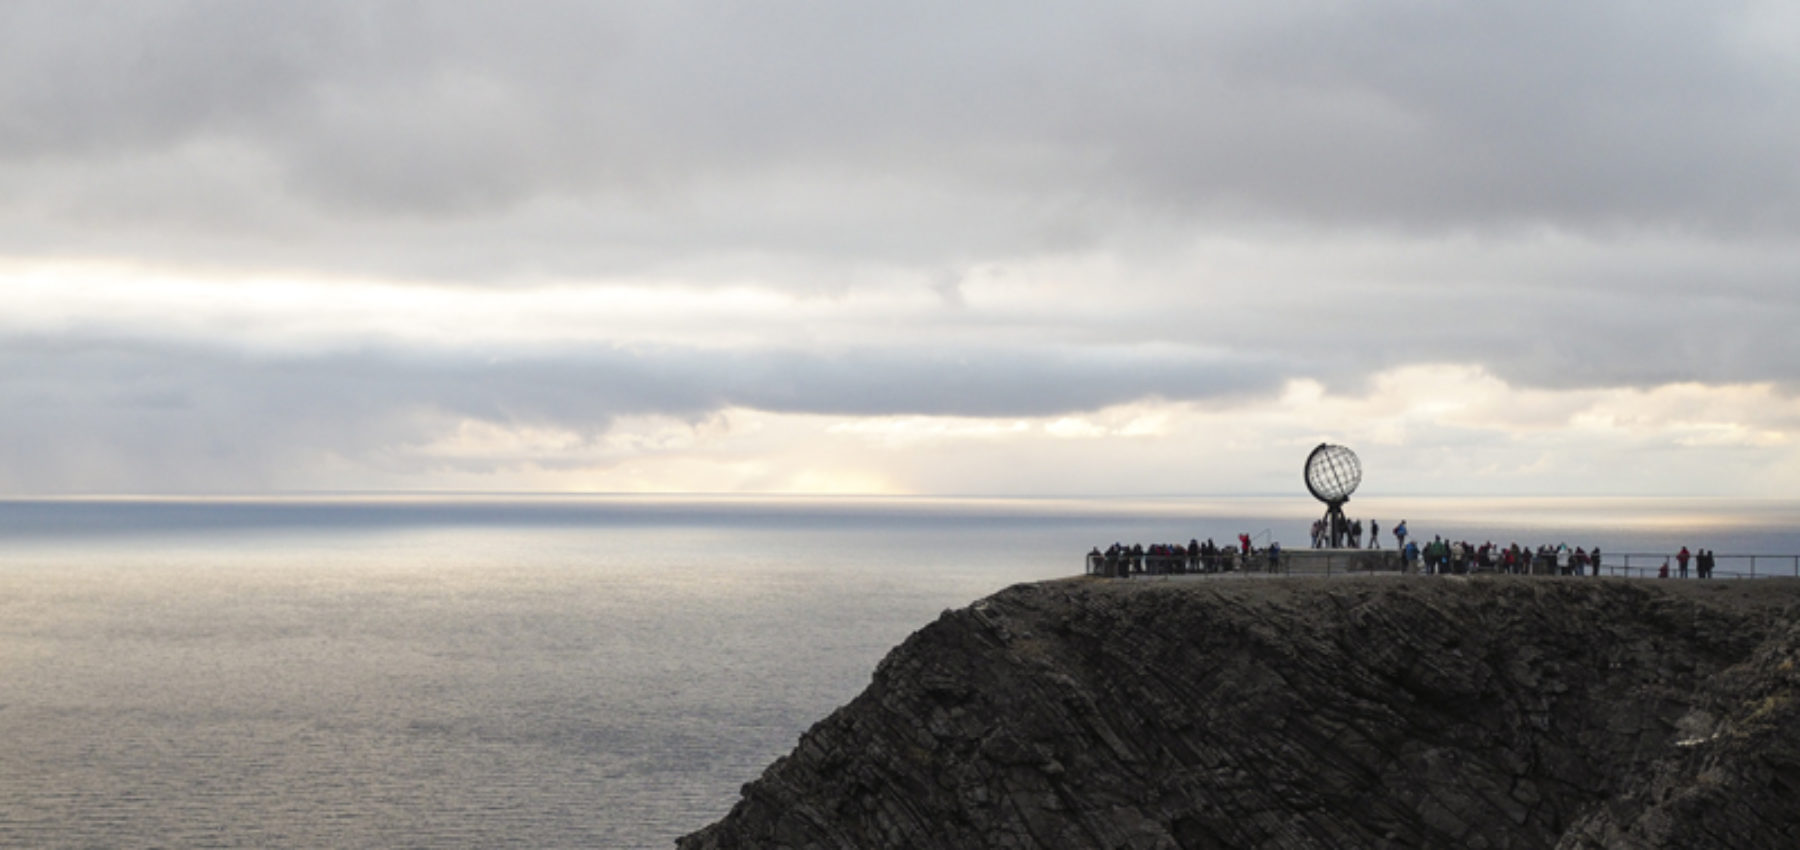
[{"x": 1366, "y": 561}]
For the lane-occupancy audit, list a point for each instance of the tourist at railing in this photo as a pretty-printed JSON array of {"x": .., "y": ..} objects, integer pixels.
[{"x": 1122, "y": 561}]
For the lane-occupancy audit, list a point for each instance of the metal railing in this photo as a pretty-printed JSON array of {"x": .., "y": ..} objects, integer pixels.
[
  {"x": 1288, "y": 561},
  {"x": 1180, "y": 563},
  {"x": 1363, "y": 561},
  {"x": 1646, "y": 564}
]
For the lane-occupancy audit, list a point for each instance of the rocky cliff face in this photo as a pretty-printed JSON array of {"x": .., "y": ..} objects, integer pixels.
[{"x": 1313, "y": 713}]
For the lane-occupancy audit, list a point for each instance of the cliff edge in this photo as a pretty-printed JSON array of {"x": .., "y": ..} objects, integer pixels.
[{"x": 1312, "y": 713}]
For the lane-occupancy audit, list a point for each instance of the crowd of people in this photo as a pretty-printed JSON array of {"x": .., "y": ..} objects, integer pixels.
[
  {"x": 1437, "y": 557},
  {"x": 1457, "y": 557},
  {"x": 1122, "y": 561},
  {"x": 1338, "y": 532}
]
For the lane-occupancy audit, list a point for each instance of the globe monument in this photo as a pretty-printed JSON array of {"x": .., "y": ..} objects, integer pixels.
[{"x": 1332, "y": 473}]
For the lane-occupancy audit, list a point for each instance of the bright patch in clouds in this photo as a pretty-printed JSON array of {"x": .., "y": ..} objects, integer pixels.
[
  {"x": 282, "y": 313},
  {"x": 1408, "y": 442}
]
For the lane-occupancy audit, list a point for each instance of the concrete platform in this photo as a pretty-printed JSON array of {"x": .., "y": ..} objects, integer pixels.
[{"x": 1333, "y": 561}]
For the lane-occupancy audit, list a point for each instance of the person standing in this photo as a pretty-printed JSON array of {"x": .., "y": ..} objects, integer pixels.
[
  {"x": 1374, "y": 534},
  {"x": 1400, "y": 535},
  {"x": 1681, "y": 561},
  {"x": 1595, "y": 560}
]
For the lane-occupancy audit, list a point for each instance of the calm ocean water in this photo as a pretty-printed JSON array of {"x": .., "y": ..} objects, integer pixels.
[{"x": 535, "y": 671}]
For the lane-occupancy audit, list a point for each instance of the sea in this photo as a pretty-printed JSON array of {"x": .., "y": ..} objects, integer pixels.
[{"x": 551, "y": 671}]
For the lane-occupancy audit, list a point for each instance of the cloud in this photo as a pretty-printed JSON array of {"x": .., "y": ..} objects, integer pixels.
[
  {"x": 99, "y": 412},
  {"x": 372, "y": 118},
  {"x": 333, "y": 233},
  {"x": 100, "y": 415}
]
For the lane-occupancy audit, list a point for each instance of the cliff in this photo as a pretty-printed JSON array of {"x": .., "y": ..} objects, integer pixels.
[{"x": 1312, "y": 713}]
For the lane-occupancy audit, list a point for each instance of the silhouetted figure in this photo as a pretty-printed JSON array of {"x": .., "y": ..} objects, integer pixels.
[
  {"x": 1681, "y": 559},
  {"x": 1437, "y": 556}
]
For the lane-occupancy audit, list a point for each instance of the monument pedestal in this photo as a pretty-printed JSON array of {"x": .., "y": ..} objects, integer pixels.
[{"x": 1339, "y": 561}]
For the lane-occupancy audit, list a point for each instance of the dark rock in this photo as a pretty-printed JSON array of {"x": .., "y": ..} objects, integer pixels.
[{"x": 1312, "y": 713}]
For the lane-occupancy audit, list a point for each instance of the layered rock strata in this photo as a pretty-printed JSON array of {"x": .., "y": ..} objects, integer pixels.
[{"x": 1312, "y": 713}]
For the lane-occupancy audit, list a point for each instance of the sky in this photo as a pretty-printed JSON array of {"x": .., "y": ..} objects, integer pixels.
[{"x": 999, "y": 248}]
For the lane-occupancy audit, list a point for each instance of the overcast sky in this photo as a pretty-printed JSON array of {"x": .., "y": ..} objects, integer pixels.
[{"x": 1140, "y": 247}]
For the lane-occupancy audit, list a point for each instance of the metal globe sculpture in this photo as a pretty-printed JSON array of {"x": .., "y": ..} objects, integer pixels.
[{"x": 1332, "y": 473}]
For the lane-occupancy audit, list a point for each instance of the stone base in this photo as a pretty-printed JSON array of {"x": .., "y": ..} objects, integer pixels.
[{"x": 1334, "y": 561}]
